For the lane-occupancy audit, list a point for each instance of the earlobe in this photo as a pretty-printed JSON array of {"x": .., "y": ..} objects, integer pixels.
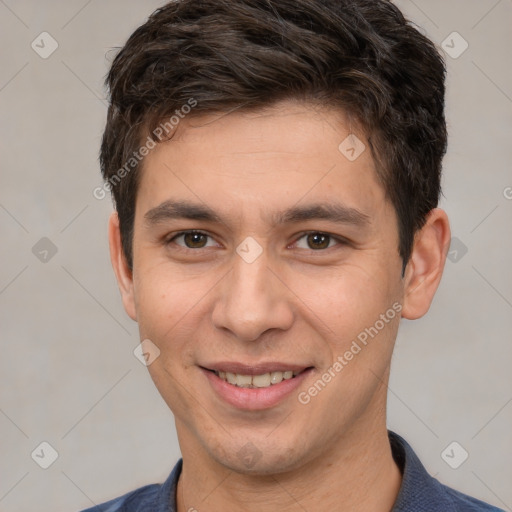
[
  {"x": 425, "y": 267},
  {"x": 122, "y": 271}
]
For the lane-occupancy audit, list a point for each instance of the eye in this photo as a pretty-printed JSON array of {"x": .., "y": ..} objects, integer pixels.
[
  {"x": 191, "y": 239},
  {"x": 316, "y": 240}
]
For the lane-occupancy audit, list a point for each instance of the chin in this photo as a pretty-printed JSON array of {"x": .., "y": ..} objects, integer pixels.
[{"x": 259, "y": 456}]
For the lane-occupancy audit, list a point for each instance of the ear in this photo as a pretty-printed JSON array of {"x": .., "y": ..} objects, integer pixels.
[
  {"x": 123, "y": 273},
  {"x": 425, "y": 267}
]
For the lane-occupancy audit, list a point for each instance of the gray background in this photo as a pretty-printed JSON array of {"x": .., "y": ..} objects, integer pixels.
[{"x": 69, "y": 376}]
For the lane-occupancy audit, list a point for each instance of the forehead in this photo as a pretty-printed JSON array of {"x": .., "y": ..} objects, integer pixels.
[
  {"x": 286, "y": 127},
  {"x": 287, "y": 153}
]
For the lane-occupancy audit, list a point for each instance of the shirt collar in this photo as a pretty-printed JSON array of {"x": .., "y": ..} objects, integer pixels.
[{"x": 418, "y": 491}]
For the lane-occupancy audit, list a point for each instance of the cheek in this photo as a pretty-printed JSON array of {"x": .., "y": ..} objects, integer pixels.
[
  {"x": 169, "y": 309},
  {"x": 347, "y": 313},
  {"x": 160, "y": 303},
  {"x": 348, "y": 297}
]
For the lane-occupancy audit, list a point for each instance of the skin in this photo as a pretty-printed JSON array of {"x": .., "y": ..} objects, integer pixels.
[{"x": 198, "y": 301}]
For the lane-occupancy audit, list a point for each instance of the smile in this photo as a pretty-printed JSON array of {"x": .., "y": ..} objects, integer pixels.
[
  {"x": 255, "y": 387},
  {"x": 264, "y": 380}
]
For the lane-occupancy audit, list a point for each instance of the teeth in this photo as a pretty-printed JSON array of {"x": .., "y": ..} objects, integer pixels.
[
  {"x": 276, "y": 377},
  {"x": 256, "y": 381},
  {"x": 244, "y": 381},
  {"x": 261, "y": 381}
]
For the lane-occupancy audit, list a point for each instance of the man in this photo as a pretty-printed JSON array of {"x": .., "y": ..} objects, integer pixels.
[{"x": 275, "y": 167}]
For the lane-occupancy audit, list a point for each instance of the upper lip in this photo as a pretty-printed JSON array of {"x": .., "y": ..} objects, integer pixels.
[{"x": 254, "y": 369}]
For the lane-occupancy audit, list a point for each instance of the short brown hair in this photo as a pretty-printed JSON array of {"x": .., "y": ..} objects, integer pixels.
[{"x": 361, "y": 56}]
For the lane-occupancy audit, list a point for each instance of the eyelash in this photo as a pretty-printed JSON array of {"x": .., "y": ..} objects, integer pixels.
[{"x": 339, "y": 240}]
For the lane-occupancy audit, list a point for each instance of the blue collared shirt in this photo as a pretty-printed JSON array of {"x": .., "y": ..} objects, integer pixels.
[{"x": 419, "y": 491}]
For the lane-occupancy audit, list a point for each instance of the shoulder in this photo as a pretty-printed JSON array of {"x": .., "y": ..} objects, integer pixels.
[
  {"x": 464, "y": 503},
  {"x": 134, "y": 501},
  {"x": 154, "y": 497},
  {"x": 420, "y": 491}
]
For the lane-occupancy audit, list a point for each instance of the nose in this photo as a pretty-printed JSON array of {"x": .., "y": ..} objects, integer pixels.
[{"x": 252, "y": 299}]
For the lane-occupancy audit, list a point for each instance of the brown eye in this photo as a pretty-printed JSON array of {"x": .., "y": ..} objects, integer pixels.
[
  {"x": 194, "y": 240},
  {"x": 318, "y": 241},
  {"x": 191, "y": 240}
]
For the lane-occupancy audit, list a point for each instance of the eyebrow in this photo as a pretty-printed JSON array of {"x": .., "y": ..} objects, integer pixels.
[{"x": 335, "y": 212}]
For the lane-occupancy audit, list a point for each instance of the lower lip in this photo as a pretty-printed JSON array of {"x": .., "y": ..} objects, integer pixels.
[{"x": 255, "y": 399}]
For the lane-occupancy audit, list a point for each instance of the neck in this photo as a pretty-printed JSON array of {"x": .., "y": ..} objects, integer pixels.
[{"x": 358, "y": 474}]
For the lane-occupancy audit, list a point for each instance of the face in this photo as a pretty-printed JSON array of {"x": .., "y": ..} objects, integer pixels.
[{"x": 264, "y": 256}]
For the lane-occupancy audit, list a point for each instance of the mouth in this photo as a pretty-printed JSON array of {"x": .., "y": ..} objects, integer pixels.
[{"x": 256, "y": 387}]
